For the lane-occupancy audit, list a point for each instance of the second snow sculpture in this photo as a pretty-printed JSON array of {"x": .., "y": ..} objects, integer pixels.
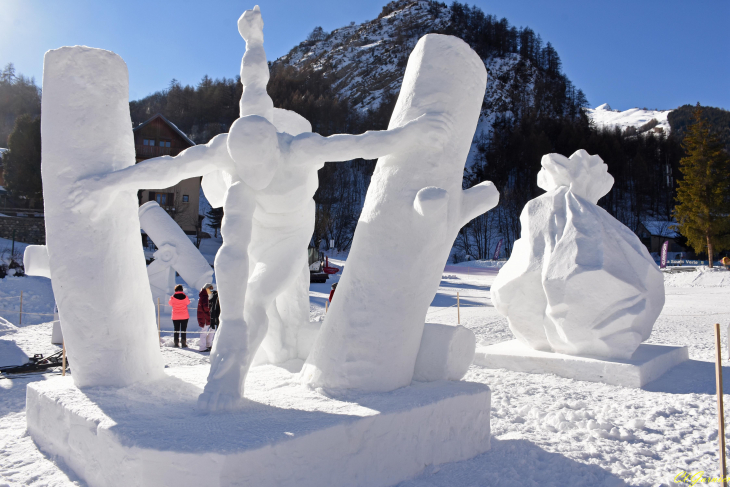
[
  {"x": 578, "y": 281},
  {"x": 413, "y": 210},
  {"x": 175, "y": 252}
]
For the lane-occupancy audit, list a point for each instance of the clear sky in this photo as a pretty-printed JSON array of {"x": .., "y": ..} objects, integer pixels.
[{"x": 637, "y": 53}]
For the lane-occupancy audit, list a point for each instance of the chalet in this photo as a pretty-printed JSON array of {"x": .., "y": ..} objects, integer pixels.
[
  {"x": 653, "y": 234},
  {"x": 160, "y": 137}
]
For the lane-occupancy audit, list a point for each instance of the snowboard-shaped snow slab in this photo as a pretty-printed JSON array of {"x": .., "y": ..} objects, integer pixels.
[
  {"x": 648, "y": 363},
  {"x": 287, "y": 435}
]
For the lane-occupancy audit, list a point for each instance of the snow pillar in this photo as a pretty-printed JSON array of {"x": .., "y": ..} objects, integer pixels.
[
  {"x": 98, "y": 266},
  {"x": 413, "y": 210}
]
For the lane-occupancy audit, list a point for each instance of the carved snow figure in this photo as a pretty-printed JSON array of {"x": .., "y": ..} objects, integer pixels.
[
  {"x": 97, "y": 263},
  {"x": 578, "y": 281},
  {"x": 265, "y": 181},
  {"x": 413, "y": 210},
  {"x": 175, "y": 252}
]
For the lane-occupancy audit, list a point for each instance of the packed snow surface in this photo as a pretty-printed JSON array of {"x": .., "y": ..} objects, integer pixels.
[
  {"x": 546, "y": 430},
  {"x": 604, "y": 116}
]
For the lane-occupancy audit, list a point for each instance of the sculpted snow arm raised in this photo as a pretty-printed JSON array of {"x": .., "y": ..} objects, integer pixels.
[
  {"x": 430, "y": 129},
  {"x": 477, "y": 200},
  {"x": 95, "y": 192}
]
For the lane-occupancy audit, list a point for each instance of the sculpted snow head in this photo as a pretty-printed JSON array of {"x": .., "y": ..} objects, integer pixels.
[{"x": 586, "y": 175}]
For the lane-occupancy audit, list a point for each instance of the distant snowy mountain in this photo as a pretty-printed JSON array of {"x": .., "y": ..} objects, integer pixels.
[
  {"x": 641, "y": 119},
  {"x": 368, "y": 60}
]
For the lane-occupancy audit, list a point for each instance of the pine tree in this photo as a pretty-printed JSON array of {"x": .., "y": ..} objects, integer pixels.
[
  {"x": 703, "y": 212},
  {"x": 22, "y": 163},
  {"x": 215, "y": 219}
]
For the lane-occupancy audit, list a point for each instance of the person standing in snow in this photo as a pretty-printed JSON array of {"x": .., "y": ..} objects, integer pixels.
[
  {"x": 215, "y": 310},
  {"x": 332, "y": 293},
  {"x": 206, "y": 337},
  {"x": 179, "y": 303}
]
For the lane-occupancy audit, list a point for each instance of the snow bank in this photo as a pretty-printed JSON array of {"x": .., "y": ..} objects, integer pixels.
[
  {"x": 286, "y": 435},
  {"x": 702, "y": 276}
]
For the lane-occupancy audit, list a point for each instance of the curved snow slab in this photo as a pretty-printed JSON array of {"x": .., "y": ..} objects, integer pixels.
[
  {"x": 286, "y": 434},
  {"x": 648, "y": 363}
]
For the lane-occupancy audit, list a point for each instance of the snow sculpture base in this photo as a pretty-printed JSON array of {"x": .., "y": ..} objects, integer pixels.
[
  {"x": 648, "y": 363},
  {"x": 287, "y": 434}
]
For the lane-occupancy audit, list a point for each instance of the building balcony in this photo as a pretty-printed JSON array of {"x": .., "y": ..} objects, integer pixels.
[{"x": 146, "y": 151}]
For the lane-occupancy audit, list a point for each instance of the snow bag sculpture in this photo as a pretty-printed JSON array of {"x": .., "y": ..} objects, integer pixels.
[
  {"x": 578, "y": 281},
  {"x": 413, "y": 210},
  {"x": 97, "y": 264}
]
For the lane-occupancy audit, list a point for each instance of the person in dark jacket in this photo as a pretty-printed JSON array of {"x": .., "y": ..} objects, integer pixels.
[
  {"x": 215, "y": 309},
  {"x": 179, "y": 303},
  {"x": 206, "y": 336}
]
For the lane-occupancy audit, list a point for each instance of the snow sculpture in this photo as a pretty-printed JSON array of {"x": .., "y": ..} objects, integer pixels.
[
  {"x": 265, "y": 181},
  {"x": 36, "y": 262},
  {"x": 578, "y": 281},
  {"x": 175, "y": 252},
  {"x": 413, "y": 210},
  {"x": 96, "y": 263}
]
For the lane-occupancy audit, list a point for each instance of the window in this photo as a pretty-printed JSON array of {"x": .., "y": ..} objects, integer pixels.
[
  {"x": 165, "y": 143},
  {"x": 149, "y": 142},
  {"x": 186, "y": 198}
]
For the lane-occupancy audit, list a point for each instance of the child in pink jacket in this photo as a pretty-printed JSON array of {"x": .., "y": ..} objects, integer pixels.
[{"x": 179, "y": 303}]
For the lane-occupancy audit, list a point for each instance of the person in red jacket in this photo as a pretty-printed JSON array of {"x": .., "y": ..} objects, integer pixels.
[
  {"x": 179, "y": 303},
  {"x": 332, "y": 293},
  {"x": 206, "y": 334}
]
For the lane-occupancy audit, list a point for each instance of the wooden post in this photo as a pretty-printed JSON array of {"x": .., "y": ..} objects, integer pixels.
[
  {"x": 20, "y": 317},
  {"x": 63, "y": 360},
  {"x": 159, "y": 334},
  {"x": 326, "y": 305},
  {"x": 720, "y": 409},
  {"x": 458, "y": 309}
]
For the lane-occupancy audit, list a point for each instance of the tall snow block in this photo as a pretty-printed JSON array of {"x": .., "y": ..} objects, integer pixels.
[
  {"x": 98, "y": 266},
  {"x": 413, "y": 210}
]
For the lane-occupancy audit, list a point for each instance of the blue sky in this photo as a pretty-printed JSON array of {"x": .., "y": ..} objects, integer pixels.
[{"x": 645, "y": 53}]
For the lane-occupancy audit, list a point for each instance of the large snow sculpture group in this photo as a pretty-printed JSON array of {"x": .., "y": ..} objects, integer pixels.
[{"x": 264, "y": 175}]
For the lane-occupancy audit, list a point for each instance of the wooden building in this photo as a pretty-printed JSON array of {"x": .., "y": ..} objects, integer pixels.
[
  {"x": 653, "y": 234},
  {"x": 160, "y": 137}
]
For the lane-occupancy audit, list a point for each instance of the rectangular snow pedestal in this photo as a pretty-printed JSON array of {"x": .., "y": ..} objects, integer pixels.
[
  {"x": 648, "y": 363},
  {"x": 286, "y": 435}
]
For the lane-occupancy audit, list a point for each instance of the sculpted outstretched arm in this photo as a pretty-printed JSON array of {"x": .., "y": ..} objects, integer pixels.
[
  {"x": 166, "y": 171},
  {"x": 95, "y": 193},
  {"x": 429, "y": 129}
]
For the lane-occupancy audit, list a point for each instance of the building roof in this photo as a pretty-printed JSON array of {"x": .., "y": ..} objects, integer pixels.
[
  {"x": 172, "y": 126},
  {"x": 661, "y": 228}
]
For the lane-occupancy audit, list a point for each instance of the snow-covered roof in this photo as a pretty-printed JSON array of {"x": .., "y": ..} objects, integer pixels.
[
  {"x": 172, "y": 125},
  {"x": 660, "y": 228}
]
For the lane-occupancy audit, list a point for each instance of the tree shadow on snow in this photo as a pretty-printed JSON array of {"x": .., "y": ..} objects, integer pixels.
[
  {"x": 458, "y": 285},
  {"x": 515, "y": 462},
  {"x": 690, "y": 377}
]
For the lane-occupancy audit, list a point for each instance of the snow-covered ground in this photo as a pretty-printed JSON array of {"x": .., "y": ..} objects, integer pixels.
[
  {"x": 604, "y": 116},
  {"x": 547, "y": 430}
]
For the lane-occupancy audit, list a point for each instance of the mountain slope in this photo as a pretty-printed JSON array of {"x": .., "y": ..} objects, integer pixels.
[{"x": 640, "y": 119}]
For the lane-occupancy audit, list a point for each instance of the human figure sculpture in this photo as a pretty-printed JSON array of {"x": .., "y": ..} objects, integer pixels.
[
  {"x": 413, "y": 211},
  {"x": 578, "y": 282},
  {"x": 267, "y": 174}
]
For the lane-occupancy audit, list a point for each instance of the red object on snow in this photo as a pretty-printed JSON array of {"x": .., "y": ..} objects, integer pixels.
[{"x": 327, "y": 269}]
